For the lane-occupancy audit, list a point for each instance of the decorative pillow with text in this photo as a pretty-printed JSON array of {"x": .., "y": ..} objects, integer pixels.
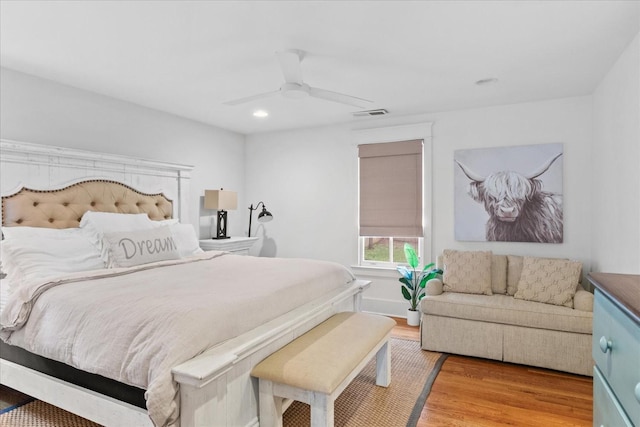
[{"x": 129, "y": 248}]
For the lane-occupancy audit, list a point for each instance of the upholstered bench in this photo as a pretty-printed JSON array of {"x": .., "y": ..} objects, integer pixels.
[{"x": 317, "y": 366}]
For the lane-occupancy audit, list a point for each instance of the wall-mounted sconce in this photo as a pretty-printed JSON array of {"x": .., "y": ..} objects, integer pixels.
[
  {"x": 263, "y": 216},
  {"x": 222, "y": 201}
]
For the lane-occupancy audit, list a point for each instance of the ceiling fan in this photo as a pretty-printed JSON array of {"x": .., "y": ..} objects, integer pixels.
[{"x": 295, "y": 87}]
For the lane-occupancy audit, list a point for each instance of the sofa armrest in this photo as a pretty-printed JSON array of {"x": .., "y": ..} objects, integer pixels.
[
  {"x": 583, "y": 300},
  {"x": 433, "y": 287}
]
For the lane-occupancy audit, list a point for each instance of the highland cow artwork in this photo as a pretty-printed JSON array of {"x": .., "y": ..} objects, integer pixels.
[{"x": 509, "y": 194}]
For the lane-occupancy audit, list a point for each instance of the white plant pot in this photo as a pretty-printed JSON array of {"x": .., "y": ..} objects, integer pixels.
[{"x": 413, "y": 317}]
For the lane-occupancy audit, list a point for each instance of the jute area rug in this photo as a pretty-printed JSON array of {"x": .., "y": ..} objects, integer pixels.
[{"x": 362, "y": 404}]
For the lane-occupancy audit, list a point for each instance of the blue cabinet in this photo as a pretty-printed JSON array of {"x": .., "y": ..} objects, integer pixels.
[{"x": 616, "y": 351}]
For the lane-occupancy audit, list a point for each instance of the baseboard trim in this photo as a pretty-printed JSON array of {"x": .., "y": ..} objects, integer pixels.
[{"x": 385, "y": 307}]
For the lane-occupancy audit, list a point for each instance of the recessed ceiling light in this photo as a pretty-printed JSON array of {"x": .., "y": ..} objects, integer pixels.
[
  {"x": 260, "y": 113},
  {"x": 487, "y": 81}
]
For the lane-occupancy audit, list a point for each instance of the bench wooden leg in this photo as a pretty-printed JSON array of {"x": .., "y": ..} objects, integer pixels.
[
  {"x": 322, "y": 412},
  {"x": 383, "y": 365},
  {"x": 270, "y": 406}
]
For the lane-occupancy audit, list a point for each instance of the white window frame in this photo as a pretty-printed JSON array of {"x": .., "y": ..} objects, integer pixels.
[
  {"x": 395, "y": 133},
  {"x": 389, "y": 264}
]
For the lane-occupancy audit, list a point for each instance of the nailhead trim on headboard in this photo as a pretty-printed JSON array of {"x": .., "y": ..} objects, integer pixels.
[{"x": 64, "y": 207}]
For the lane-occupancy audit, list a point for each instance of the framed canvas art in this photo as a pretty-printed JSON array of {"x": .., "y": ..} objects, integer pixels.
[{"x": 509, "y": 194}]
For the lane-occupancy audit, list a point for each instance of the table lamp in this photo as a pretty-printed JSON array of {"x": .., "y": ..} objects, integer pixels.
[{"x": 222, "y": 201}]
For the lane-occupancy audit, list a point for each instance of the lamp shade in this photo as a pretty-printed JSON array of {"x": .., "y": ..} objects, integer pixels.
[
  {"x": 221, "y": 200},
  {"x": 265, "y": 215}
]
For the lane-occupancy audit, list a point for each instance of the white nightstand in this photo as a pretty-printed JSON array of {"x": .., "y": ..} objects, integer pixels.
[{"x": 237, "y": 245}]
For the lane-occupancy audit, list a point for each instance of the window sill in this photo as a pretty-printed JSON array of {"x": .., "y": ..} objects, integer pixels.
[{"x": 369, "y": 270}]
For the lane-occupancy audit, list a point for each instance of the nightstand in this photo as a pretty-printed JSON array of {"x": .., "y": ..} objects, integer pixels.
[
  {"x": 236, "y": 245},
  {"x": 616, "y": 349}
]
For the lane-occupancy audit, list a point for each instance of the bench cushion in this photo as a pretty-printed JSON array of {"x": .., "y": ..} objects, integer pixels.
[
  {"x": 322, "y": 358},
  {"x": 507, "y": 310}
]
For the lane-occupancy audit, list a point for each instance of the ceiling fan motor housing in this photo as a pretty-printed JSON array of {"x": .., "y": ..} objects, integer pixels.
[{"x": 295, "y": 90}]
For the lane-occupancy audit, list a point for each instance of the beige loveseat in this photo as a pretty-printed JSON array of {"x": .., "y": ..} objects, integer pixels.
[{"x": 525, "y": 310}]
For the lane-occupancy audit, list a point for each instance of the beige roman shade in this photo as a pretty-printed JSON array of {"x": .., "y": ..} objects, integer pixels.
[{"x": 391, "y": 189}]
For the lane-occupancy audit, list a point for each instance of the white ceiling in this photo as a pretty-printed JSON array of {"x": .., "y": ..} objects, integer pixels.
[{"x": 188, "y": 57}]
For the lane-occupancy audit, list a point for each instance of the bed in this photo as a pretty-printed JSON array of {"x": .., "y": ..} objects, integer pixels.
[{"x": 212, "y": 387}]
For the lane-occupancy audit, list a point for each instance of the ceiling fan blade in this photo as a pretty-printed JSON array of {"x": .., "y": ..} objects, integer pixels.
[
  {"x": 251, "y": 98},
  {"x": 290, "y": 64},
  {"x": 339, "y": 97}
]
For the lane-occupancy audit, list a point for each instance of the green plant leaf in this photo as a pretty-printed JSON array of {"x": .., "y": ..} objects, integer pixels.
[
  {"x": 405, "y": 272},
  {"x": 405, "y": 293},
  {"x": 432, "y": 274},
  {"x": 428, "y": 266},
  {"x": 429, "y": 276},
  {"x": 424, "y": 281},
  {"x": 407, "y": 283},
  {"x": 410, "y": 255}
]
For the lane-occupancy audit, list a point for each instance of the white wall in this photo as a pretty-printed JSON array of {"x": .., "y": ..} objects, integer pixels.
[
  {"x": 308, "y": 182},
  {"x": 308, "y": 178},
  {"x": 615, "y": 167},
  {"x": 43, "y": 112}
]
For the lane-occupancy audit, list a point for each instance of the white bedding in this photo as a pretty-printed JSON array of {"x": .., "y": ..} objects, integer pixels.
[
  {"x": 134, "y": 324},
  {"x": 4, "y": 294}
]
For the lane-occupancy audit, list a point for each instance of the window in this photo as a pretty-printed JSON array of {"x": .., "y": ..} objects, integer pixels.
[
  {"x": 387, "y": 249},
  {"x": 391, "y": 200}
]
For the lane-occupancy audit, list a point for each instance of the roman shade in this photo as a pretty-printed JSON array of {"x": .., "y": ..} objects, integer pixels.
[{"x": 391, "y": 189}]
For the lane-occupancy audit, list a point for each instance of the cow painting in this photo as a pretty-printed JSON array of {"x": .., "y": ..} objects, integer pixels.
[{"x": 518, "y": 207}]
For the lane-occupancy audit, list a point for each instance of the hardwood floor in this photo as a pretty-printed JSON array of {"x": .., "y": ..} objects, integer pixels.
[{"x": 473, "y": 392}]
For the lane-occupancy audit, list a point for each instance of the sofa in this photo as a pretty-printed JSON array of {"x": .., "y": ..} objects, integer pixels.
[{"x": 526, "y": 310}]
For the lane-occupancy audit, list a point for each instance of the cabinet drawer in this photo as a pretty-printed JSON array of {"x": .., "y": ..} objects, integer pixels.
[
  {"x": 619, "y": 363},
  {"x": 607, "y": 412}
]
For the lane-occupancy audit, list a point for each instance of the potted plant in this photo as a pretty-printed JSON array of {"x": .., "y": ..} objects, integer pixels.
[{"x": 413, "y": 282}]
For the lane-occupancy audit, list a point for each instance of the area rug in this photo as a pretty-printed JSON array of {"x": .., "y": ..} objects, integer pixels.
[{"x": 362, "y": 404}]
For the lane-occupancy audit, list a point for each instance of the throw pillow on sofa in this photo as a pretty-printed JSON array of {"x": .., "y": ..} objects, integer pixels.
[
  {"x": 499, "y": 274},
  {"x": 514, "y": 271},
  {"x": 550, "y": 281},
  {"x": 467, "y": 272}
]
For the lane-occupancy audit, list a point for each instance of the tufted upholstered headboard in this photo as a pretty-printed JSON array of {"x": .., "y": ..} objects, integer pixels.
[{"x": 63, "y": 208}]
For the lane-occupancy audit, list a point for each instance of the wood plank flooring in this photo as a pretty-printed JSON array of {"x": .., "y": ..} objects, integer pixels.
[{"x": 473, "y": 392}]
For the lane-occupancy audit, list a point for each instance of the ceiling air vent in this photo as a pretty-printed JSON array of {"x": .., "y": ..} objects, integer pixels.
[{"x": 367, "y": 113}]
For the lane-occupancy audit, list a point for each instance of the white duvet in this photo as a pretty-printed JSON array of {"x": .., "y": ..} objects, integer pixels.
[{"x": 134, "y": 324}]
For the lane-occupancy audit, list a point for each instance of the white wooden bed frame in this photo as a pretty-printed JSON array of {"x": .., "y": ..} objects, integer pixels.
[{"x": 216, "y": 388}]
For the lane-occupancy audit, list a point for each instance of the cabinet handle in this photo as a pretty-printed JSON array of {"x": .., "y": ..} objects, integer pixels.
[
  {"x": 605, "y": 344},
  {"x": 637, "y": 392}
]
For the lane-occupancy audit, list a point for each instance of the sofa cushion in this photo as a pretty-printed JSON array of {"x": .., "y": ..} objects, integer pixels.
[
  {"x": 514, "y": 263},
  {"x": 467, "y": 271},
  {"x": 499, "y": 274},
  {"x": 505, "y": 309},
  {"x": 547, "y": 280}
]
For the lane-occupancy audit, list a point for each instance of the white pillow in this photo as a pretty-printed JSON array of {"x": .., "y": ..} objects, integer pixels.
[
  {"x": 129, "y": 248},
  {"x": 108, "y": 222},
  {"x": 185, "y": 237},
  {"x": 47, "y": 255},
  {"x": 96, "y": 224},
  {"x": 19, "y": 232},
  {"x": 164, "y": 222}
]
